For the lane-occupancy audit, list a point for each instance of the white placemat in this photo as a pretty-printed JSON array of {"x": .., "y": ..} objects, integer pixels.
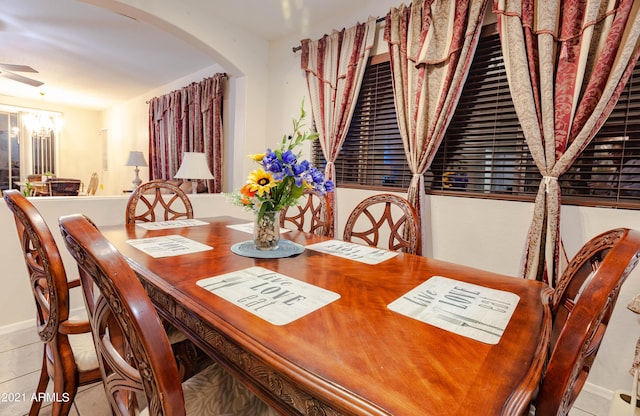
[
  {"x": 248, "y": 228},
  {"x": 164, "y": 225},
  {"x": 168, "y": 245},
  {"x": 466, "y": 309},
  {"x": 352, "y": 251},
  {"x": 272, "y": 296}
]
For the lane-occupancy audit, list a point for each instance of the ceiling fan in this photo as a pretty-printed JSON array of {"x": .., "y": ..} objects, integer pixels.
[{"x": 7, "y": 71}]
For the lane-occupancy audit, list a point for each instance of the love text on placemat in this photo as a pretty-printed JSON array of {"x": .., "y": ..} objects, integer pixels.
[
  {"x": 272, "y": 296},
  {"x": 466, "y": 309}
]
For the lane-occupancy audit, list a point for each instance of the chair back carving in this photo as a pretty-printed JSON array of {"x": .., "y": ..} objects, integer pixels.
[
  {"x": 50, "y": 289},
  {"x": 581, "y": 306},
  {"x": 366, "y": 223},
  {"x": 133, "y": 349},
  {"x": 48, "y": 279},
  {"x": 160, "y": 201},
  {"x": 313, "y": 216}
]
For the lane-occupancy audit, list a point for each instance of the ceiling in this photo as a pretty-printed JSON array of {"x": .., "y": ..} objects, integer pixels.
[{"x": 89, "y": 55}]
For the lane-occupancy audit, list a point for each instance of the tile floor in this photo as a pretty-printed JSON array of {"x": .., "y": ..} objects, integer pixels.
[{"x": 20, "y": 360}]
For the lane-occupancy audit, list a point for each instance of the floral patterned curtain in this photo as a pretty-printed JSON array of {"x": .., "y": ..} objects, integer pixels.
[
  {"x": 334, "y": 66},
  {"x": 431, "y": 44},
  {"x": 567, "y": 62},
  {"x": 187, "y": 120}
]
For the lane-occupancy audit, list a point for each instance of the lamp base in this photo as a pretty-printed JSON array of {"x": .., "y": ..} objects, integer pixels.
[{"x": 137, "y": 181}]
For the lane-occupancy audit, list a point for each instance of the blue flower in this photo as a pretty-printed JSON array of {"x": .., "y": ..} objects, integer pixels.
[
  {"x": 287, "y": 170},
  {"x": 269, "y": 157},
  {"x": 274, "y": 166},
  {"x": 329, "y": 186},
  {"x": 300, "y": 168},
  {"x": 316, "y": 175},
  {"x": 289, "y": 158}
]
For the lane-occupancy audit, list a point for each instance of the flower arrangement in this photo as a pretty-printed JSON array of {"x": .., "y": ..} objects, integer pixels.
[{"x": 282, "y": 177}]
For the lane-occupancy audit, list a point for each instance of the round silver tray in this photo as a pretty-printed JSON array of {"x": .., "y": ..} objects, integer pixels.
[{"x": 285, "y": 248}]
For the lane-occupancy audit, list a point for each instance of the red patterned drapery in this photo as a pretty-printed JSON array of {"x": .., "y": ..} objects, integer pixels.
[
  {"x": 187, "y": 120},
  {"x": 334, "y": 66},
  {"x": 431, "y": 44},
  {"x": 567, "y": 62}
]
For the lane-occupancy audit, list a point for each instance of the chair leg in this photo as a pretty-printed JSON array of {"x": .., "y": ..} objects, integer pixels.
[
  {"x": 65, "y": 389},
  {"x": 42, "y": 385},
  {"x": 186, "y": 358}
]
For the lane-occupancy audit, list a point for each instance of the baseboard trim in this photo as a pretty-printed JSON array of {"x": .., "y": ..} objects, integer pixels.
[
  {"x": 29, "y": 323},
  {"x": 18, "y": 326},
  {"x": 594, "y": 399},
  {"x": 601, "y": 392}
]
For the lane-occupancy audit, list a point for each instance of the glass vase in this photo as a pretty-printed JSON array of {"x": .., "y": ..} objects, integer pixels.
[{"x": 266, "y": 230}]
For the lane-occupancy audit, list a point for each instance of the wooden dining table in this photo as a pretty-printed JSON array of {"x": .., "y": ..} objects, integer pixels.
[{"x": 354, "y": 354}]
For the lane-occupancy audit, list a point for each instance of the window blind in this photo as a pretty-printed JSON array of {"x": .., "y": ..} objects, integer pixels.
[{"x": 372, "y": 154}]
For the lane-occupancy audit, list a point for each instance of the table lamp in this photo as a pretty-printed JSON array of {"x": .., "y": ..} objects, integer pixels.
[
  {"x": 136, "y": 159},
  {"x": 193, "y": 166}
]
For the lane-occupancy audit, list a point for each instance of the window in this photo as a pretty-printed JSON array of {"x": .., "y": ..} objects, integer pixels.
[
  {"x": 372, "y": 154},
  {"x": 28, "y": 144},
  {"x": 484, "y": 153},
  {"x": 9, "y": 150}
]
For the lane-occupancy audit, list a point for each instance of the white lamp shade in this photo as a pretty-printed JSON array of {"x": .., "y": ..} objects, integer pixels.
[
  {"x": 136, "y": 159},
  {"x": 193, "y": 166}
]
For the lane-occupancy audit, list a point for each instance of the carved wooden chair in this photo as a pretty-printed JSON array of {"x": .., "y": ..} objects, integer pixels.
[
  {"x": 162, "y": 200},
  {"x": 69, "y": 357},
  {"x": 313, "y": 216},
  {"x": 133, "y": 350},
  {"x": 366, "y": 223},
  {"x": 581, "y": 306},
  {"x": 92, "y": 188},
  {"x": 158, "y": 197},
  {"x": 38, "y": 188}
]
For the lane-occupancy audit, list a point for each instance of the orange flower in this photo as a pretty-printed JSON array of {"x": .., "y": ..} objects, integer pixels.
[
  {"x": 246, "y": 190},
  {"x": 245, "y": 194}
]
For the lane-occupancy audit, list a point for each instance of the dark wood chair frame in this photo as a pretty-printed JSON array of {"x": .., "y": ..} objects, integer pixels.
[
  {"x": 316, "y": 212},
  {"x": 133, "y": 349},
  {"x": 154, "y": 194},
  {"x": 64, "y": 186},
  {"x": 48, "y": 281},
  {"x": 405, "y": 233},
  {"x": 581, "y": 306}
]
